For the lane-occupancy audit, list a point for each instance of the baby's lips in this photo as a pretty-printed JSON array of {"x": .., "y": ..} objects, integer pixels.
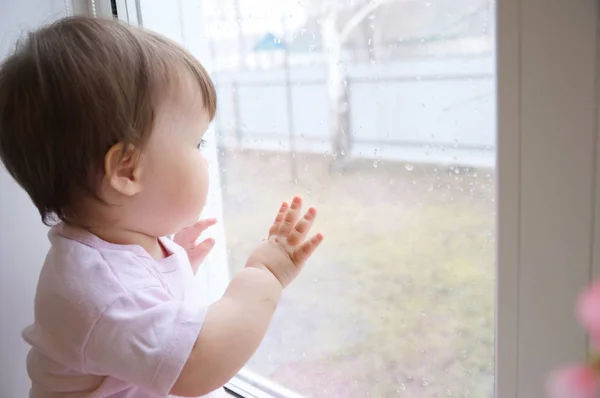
[
  {"x": 588, "y": 310},
  {"x": 575, "y": 381}
]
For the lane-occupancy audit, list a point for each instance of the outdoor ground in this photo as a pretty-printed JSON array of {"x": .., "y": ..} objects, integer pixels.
[{"x": 399, "y": 300}]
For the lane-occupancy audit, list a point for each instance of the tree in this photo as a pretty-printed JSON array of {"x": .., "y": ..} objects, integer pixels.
[
  {"x": 338, "y": 20},
  {"x": 334, "y": 35}
]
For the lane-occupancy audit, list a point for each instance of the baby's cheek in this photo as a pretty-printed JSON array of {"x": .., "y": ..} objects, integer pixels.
[
  {"x": 201, "y": 177},
  {"x": 196, "y": 181}
]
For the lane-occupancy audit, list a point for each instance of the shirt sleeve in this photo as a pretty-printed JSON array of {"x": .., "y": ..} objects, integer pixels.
[{"x": 144, "y": 338}]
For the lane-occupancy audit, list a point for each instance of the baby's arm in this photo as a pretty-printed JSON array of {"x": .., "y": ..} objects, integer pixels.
[
  {"x": 236, "y": 324},
  {"x": 233, "y": 329}
]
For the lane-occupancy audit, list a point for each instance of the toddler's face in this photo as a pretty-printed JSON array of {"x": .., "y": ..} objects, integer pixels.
[{"x": 174, "y": 172}]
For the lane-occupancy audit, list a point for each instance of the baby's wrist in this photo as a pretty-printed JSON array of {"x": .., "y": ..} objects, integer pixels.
[
  {"x": 263, "y": 268},
  {"x": 255, "y": 282}
]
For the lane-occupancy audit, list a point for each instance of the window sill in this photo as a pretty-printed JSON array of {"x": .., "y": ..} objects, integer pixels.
[{"x": 250, "y": 385}]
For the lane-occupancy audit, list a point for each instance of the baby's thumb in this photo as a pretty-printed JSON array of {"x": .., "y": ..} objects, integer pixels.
[{"x": 198, "y": 253}]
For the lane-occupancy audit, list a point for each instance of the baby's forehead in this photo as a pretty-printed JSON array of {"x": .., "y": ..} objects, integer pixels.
[{"x": 182, "y": 93}]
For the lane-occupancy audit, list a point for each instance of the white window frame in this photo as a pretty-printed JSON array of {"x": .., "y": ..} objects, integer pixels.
[
  {"x": 548, "y": 178},
  {"x": 547, "y": 182}
]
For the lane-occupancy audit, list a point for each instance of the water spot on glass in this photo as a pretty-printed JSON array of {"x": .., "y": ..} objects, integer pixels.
[
  {"x": 409, "y": 166},
  {"x": 375, "y": 164}
]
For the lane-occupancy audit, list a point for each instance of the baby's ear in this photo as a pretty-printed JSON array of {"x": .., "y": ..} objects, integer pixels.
[{"x": 121, "y": 168}]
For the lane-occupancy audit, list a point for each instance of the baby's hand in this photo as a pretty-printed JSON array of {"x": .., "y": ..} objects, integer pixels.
[
  {"x": 187, "y": 238},
  {"x": 286, "y": 249}
]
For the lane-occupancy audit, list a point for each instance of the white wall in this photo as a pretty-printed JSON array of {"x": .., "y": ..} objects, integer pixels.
[{"x": 23, "y": 240}]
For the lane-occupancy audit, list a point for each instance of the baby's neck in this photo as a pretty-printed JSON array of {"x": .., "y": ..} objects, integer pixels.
[
  {"x": 114, "y": 224},
  {"x": 124, "y": 237}
]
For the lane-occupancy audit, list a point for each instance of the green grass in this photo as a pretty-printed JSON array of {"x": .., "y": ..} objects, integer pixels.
[{"x": 399, "y": 300}]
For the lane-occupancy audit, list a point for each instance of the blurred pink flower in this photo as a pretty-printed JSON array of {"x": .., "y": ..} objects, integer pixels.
[
  {"x": 588, "y": 312},
  {"x": 576, "y": 381}
]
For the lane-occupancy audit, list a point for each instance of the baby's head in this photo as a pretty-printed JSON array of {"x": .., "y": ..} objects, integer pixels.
[{"x": 101, "y": 124}]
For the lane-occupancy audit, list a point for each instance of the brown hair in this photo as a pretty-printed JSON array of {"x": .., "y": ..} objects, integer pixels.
[{"x": 72, "y": 90}]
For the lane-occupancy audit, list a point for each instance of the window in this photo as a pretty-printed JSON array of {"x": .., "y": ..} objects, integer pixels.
[{"x": 401, "y": 299}]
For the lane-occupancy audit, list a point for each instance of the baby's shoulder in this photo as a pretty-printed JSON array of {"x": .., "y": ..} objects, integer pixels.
[{"x": 86, "y": 275}]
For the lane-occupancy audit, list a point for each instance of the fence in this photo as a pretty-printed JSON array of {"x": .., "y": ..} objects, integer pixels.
[{"x": 422, "y": 110}]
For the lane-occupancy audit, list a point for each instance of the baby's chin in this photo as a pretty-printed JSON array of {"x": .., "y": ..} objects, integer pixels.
[
  {"x": 176, "y": 221},
  {"x": 167, "y": 228}
]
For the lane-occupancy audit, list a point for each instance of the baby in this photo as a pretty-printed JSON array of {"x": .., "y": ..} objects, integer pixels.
[{"x": 102, "y": 125}]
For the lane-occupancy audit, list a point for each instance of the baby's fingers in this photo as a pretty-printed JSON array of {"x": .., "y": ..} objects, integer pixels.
[
  {"x": 198, "y": 253},
  {"x": 291, "y": 218},
  {"x": 305, "y": 250},
  {"x": 302, "y": 227},
  {"x": 279, "y": 218}
]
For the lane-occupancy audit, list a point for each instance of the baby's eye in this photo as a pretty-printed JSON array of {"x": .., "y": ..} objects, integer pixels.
[{"x": 202, "y": 144}]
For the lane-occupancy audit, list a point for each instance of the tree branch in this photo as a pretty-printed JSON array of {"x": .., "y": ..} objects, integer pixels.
[{"x": 363, "y": 13}]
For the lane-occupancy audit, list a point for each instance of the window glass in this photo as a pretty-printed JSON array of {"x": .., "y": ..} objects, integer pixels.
[{"x": 381, "y": 114}]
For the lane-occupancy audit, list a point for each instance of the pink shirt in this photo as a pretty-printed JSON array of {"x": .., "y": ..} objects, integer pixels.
[{"x": 110, "y": 321}]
